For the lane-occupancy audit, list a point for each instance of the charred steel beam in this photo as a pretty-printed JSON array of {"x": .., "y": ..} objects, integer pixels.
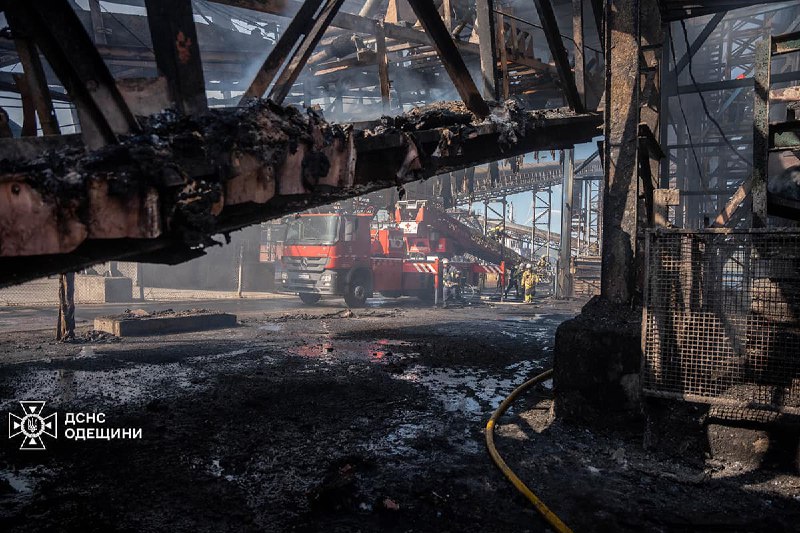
[
  {"x": 178, "y": 52},
  {"x": 155, "y": 197},
  {"x": 597, "y": 11},
  {"x": 486, "y": 36},
  {"x": 36, "y": 84},
  {"x": 620, "y": 195},
  {"x": 448, "y": 53},
  {"x": 699, "y": 41},
  {"x": 301, "y": 23},
  {"x": 580, "y": 62},
  {"x": 383, "y": 65},
  {"x": 550, "y": 26},
  {"x": 313, "y": 32},
  {"x": 59, "y": 34},
  {"x": 727, "y": 85},
  {"x": 759, "y": 176},
  {"x": 28, "y": 107}
]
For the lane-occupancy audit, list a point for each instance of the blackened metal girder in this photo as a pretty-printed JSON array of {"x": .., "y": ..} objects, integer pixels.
[
  {"x": 36, "y": 84},
  {"x": 763, "y": 62},
  {"x": 59, "y": 34},
  {"x": 300, "y": 56},
  {"x": 597, "y": 11},
  {"x": 429, "y": 17},
  {"x": 699, "y": 41},
  {"x": 178, "y": 52},
  {"x": 553, "y": 35},
  {"x": 301, "y": 23}
]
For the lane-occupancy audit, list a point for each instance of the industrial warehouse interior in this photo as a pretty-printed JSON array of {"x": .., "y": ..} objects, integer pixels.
[{"x": 400, "y": 265}]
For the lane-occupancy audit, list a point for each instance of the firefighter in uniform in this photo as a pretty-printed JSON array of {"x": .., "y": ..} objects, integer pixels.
[
  {"x": 513, "y": 281},
  {"x": 450, "y": 281},
  {"x": 529, "y": 283}
]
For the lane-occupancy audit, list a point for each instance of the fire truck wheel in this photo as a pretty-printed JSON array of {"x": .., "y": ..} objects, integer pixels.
[
  {"x": 309, "y": 298},
  {"x": 357, "y": 290}
]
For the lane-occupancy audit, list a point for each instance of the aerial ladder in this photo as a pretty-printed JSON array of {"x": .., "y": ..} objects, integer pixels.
[{"x": 430, "y": 231}]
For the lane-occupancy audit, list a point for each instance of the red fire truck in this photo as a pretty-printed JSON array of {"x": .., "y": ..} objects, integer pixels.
[{"x": 342, "y": 254}]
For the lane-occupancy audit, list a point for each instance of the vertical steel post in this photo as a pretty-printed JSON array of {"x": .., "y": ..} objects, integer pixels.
[
  {"x": 533, "y": 222},
  {"x": 436, "y": 278},
  {"x": 563, "y": 289},
  {"x": 239, "y": 282}
]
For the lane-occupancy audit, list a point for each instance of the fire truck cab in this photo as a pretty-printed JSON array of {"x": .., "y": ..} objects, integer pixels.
[{"x": 327, "y": 254}]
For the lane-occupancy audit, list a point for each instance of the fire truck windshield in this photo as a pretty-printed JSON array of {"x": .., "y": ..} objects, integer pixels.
[{"x": 313, "y": 230}]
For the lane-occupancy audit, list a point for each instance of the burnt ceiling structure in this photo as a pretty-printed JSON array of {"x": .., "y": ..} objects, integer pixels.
[
  {"x": 137, "y": 129},
  {"x": 185, "y": 126}
]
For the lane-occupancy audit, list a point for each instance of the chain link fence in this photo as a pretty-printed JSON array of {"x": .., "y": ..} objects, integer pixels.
[{"x": 722, "y": 317}]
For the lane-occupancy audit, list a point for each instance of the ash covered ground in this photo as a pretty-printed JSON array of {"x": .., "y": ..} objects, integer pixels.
[{"x": 310, "y": 419}]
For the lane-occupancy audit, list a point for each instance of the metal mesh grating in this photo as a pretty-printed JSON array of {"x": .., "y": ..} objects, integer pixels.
[{"x": 722, "y": 317}]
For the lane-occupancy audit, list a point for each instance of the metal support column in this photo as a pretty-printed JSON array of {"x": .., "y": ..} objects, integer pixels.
[
  {"x": 564, "y": 283},
  {"x": 620, "y": 147},
  {"x": 533, "y": 222},
  {"x": 485, "y": 30}
]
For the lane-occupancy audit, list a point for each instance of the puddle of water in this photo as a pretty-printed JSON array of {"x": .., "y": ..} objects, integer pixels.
[
  {"x": 271, "y": 327},
  {"x": 523, "y": 319},
  {"x": 217, "y": 356},
  {"x": 471, "y": 391},
  {"x": 313, "y": 350},
  {"x": 392, "y": 342},
  {"x": 348, "y": 350},
  {"x": 18, "y": 483}
]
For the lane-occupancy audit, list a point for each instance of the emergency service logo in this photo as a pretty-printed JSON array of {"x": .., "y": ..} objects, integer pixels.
[{"x": 32, "y": 425}]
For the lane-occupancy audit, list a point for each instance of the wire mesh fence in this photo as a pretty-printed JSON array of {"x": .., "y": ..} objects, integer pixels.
[{"x": 722, "y": 317}]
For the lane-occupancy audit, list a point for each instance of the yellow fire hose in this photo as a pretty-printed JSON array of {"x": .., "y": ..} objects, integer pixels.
[{"x": 548, "y": 515}]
